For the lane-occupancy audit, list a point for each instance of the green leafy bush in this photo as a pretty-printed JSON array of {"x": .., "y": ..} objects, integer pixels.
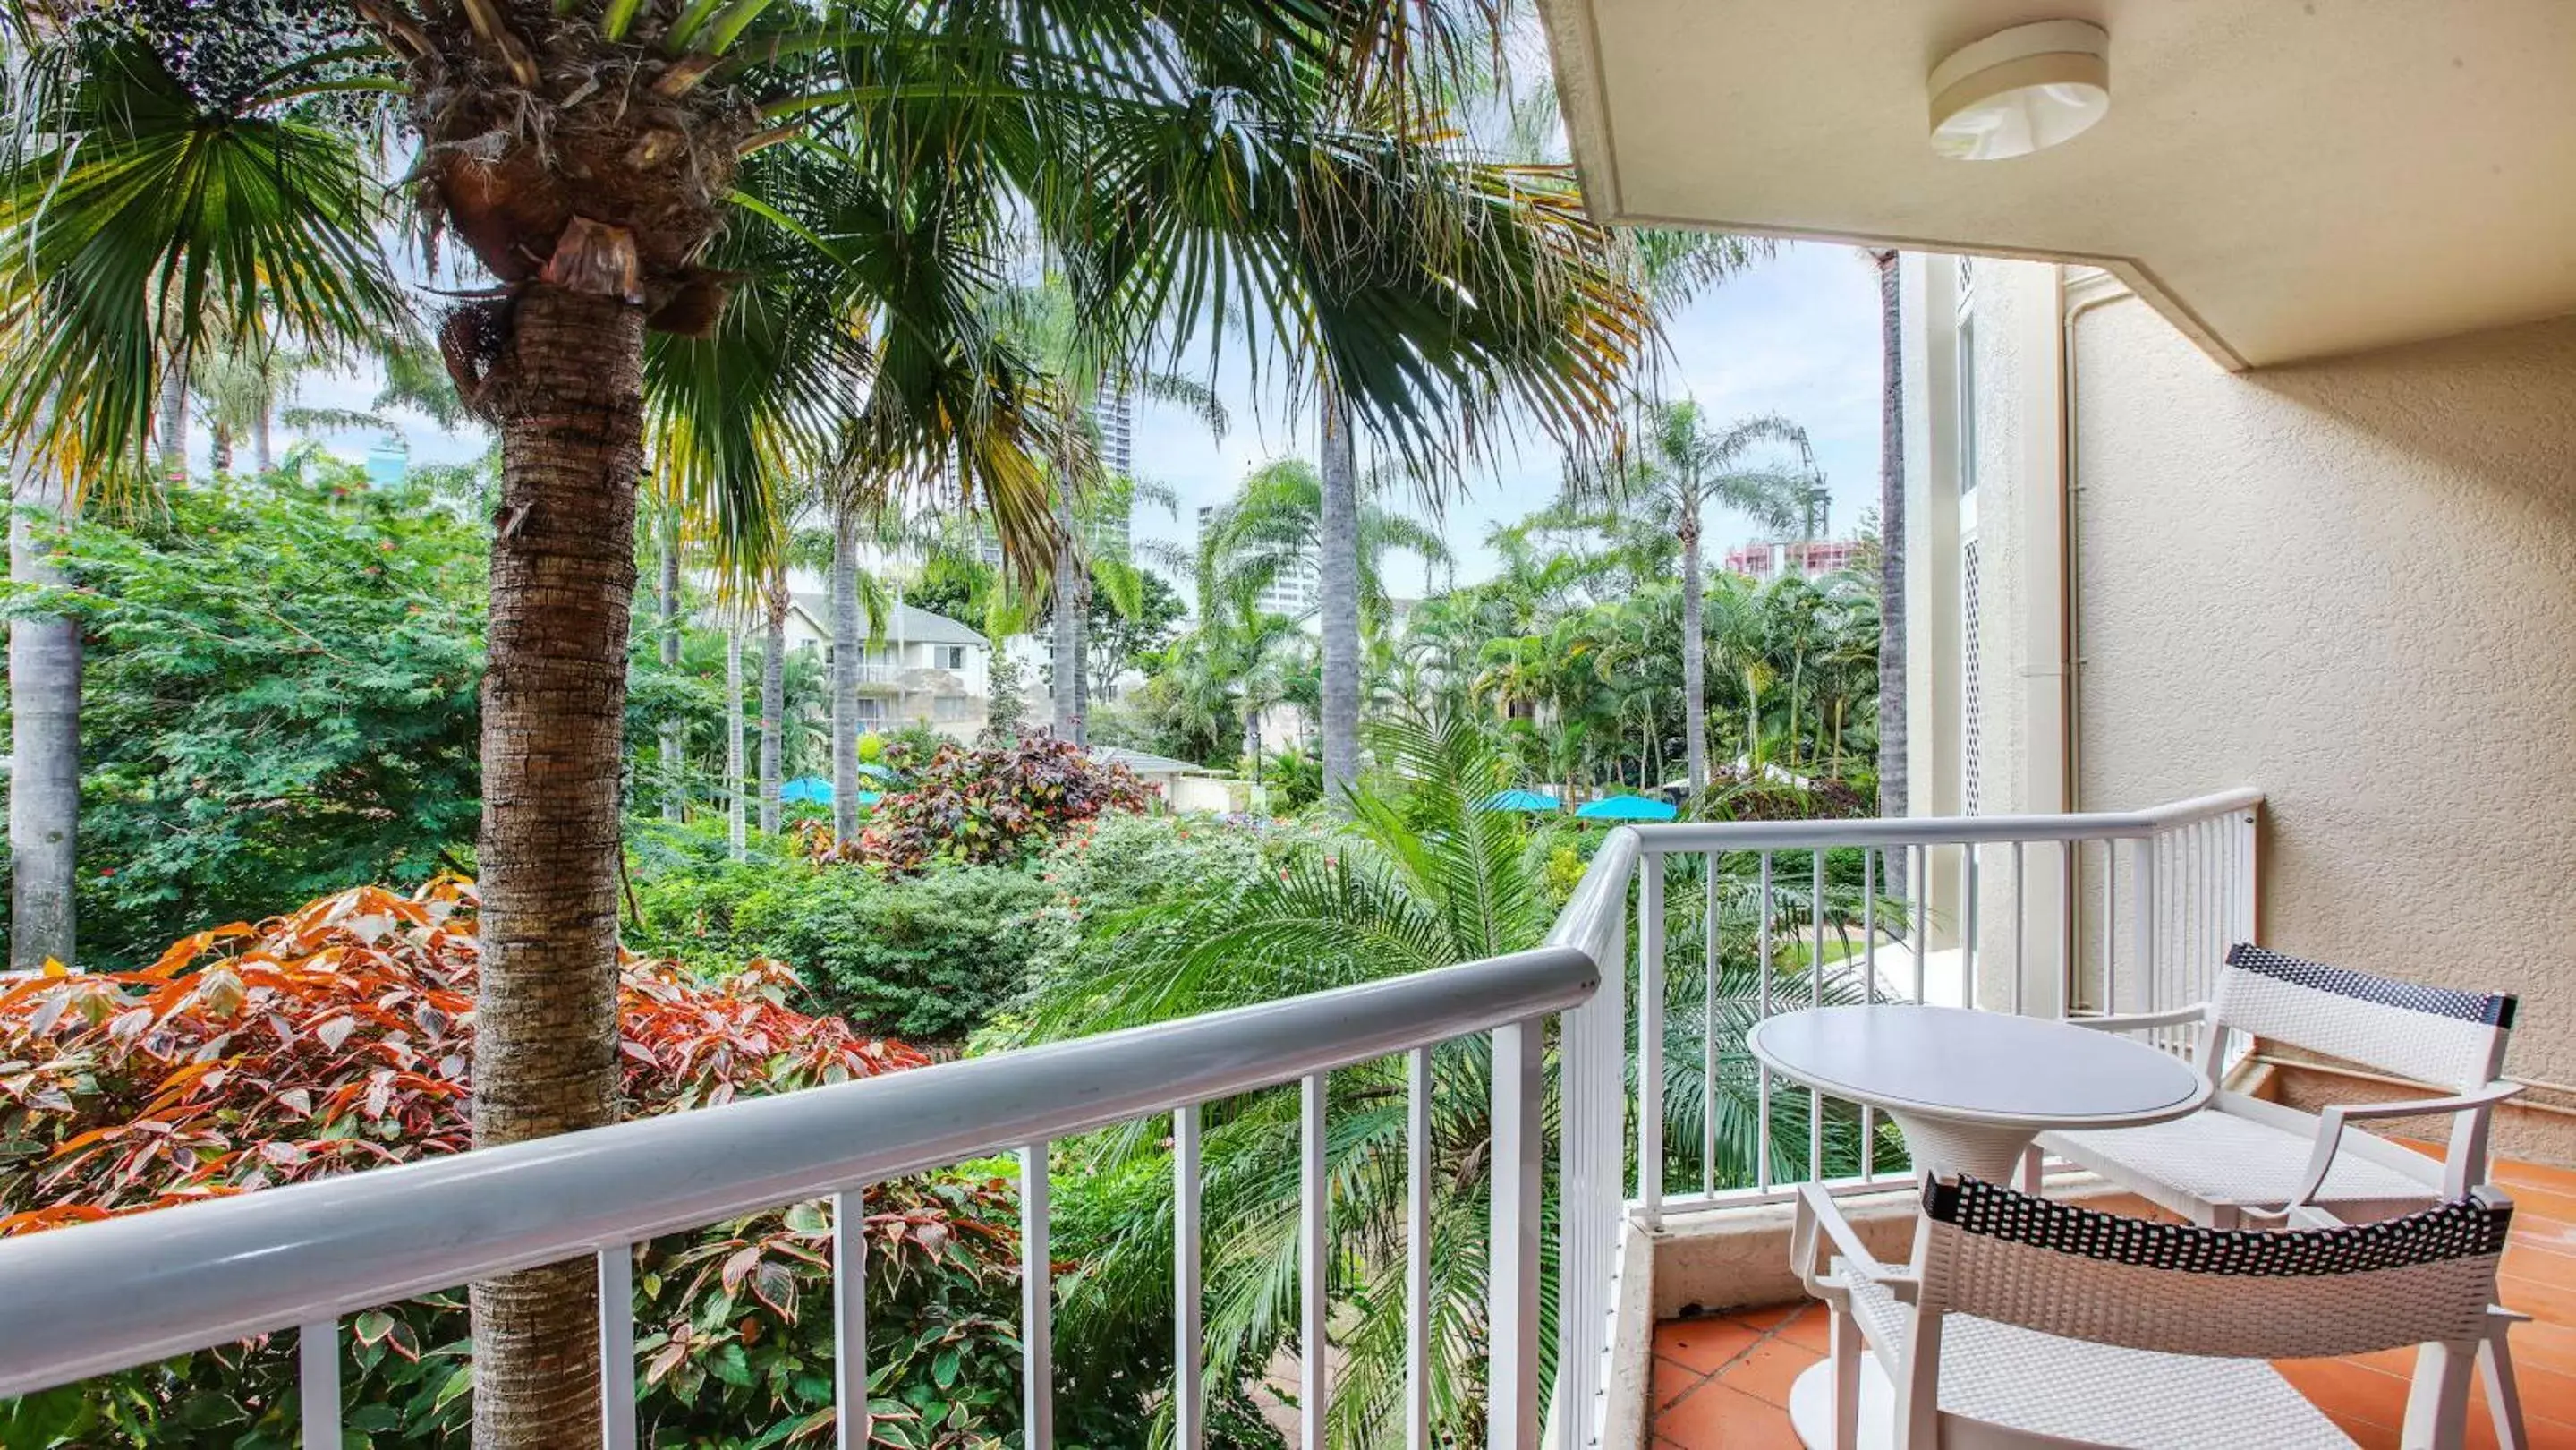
[
  {"x": 279, "y": 699},
  {"x": 928, "y": 957},
  {"x": 1110, "y": 882}
]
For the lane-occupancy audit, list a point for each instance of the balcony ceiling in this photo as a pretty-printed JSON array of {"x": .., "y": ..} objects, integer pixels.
[{"x": 2285, "y": 180}]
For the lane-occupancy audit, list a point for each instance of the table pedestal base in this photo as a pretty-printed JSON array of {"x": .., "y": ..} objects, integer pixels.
[
  {"x": 1947, "y": 1145},
  {"x": 1811, "y": 1407}
]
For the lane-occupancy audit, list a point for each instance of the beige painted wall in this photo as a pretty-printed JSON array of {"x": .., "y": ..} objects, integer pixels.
[{"x": 2353, "y": 585}]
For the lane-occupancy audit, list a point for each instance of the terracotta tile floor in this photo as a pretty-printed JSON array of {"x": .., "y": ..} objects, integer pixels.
[{"x": 1722, "y": 1382}]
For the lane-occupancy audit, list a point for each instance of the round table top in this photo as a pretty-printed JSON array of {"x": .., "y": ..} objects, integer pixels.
[{"x": 1979, "y": 1067}]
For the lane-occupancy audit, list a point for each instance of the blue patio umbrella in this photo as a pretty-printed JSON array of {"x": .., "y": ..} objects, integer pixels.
[
  {"x": 1628, "y": 808},
  {"x": 1517, "y": 800},
  {"x": 803, "y": 788}
]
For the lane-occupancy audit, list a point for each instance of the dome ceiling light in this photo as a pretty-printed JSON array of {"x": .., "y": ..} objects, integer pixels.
[{"x": 2021, "y": 90}]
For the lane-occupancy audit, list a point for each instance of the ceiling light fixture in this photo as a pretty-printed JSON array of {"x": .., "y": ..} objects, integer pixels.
[{"x": 2021, "y": 90}]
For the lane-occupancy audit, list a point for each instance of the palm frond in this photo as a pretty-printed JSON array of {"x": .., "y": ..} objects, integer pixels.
[{"x": 139, "y": 222}]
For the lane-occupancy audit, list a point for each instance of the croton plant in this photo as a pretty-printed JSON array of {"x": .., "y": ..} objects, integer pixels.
[
  {"x": 340, "y": 1037},
  {"x": 987, "y": 805}
]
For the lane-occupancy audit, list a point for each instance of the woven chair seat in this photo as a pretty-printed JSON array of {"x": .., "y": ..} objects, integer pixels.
[
  {"x": 2097, "y": 1394},
  {"x": 2220, "y": 1158}
]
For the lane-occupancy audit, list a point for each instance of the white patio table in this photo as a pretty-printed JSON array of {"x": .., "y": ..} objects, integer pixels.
[{"x": 1970, "y": 1091}]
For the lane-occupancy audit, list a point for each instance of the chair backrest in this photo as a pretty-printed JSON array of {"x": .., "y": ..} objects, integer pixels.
[
  {"x": 2437, "y": 1035},
  {"x": 2428, "y": 1277}
]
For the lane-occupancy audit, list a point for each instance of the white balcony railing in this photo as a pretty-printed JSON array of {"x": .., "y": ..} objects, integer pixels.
[
  {"x": 2055, "y": 915},
  {"x": 97, "y": 1298},
  {"x": 2050, "y": 914}
]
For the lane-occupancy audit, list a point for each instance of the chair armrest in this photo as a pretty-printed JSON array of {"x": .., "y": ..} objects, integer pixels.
[
  {"x": 2331, "y": 1121},
  {"x": 2191, "y": 1016},
  {"x": 1817, "y": 1210}
]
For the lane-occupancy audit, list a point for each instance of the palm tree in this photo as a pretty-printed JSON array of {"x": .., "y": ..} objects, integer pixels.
[
  {"x": 774, "y": 603},
  {"x": 1277, "y": 524},
  {"x": 243, "y": 390},
  {"x": 44, "y": 705},
  {"x": 1087, "y": 498},
  {"x": 666, "y": 628},
  {"x": 1742, "y": 634},
  {"x": 853, "y": 590},
  {"x": 1682, "y": 467},
  {"x": 779, "y": 222},
  {"x": 1891, "y": 540},
  {"x": 737, "y": 816},
  {"x": 788, "y": 548},
  {"x": 1292, "y": 515}
]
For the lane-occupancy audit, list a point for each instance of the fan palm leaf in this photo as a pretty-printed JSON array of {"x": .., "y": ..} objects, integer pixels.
[{"x": 141, "y": 221}]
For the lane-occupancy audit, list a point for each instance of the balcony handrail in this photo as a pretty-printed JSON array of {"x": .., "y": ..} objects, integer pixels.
[
  {"x": 1701, "y": 836},
  {"x": 1596, "y": 914},
  {"x": 132, "y": 1290}
]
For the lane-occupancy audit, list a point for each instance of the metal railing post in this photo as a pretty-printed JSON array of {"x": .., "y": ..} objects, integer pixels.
[{"x": 1512, "y": 1408}]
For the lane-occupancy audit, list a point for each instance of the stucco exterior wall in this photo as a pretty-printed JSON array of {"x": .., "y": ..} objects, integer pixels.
[{"x": 2353, "y": 585}]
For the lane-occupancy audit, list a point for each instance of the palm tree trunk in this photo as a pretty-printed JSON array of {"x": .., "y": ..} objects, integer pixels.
[
  {"x": 44, "y": 706},
  {"x": 1797, "y": 684},
  {"x": 262, "y": 456},
  {"x": 847, "y": 649},
  {"x": 1694, "y": 653},
  {"x": 773, "y": 702},
  {"x": 219, "y": 455},
  {"x": 737, "y": 816},
  {"x": 1066, "y": 664},
  {"x": 1891, "y": 542},
  {"x": 1339, "y": 568},
  {"x": 670, "y": 747},
  {"x": 554, "y": 710},
  {"x": 1752, "y": 721},
  {"x": 174, "y": 420}
]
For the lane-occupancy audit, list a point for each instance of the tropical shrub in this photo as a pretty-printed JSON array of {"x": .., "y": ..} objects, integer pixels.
[
  {"x": 1113, "y": 886},
  {"x": 1295, "y": 777},
  {"x": 279, "y": 697},
  {"x": 341, "y": 1037},
  {"x": 1418, "y": 881},
  {"x": 999, "y": 805},
  {"x": 930, "y": 957}
]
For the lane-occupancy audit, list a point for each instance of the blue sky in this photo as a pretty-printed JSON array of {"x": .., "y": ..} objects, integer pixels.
[{"x": 1796, "y": 334}]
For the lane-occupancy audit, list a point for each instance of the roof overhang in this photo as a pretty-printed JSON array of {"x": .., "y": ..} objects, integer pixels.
[{"x": 2283, "y": 180}]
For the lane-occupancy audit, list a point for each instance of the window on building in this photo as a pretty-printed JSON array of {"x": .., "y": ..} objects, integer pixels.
[{"x": 952, "y": 657}]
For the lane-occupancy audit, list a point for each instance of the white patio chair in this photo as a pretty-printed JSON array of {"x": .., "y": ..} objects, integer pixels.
[
  {"x": 2023, "y": 1322},
  {"x": 2242, "y": 1155}
]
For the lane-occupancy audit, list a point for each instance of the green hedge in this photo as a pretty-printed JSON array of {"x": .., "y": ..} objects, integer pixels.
[{"x": 928, "y": 959}]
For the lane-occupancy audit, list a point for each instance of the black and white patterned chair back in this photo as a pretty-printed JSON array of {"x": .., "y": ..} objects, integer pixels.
[
  {"x": 2177, "y": 1289},
  {"x": 2437, "y": 1035}
]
